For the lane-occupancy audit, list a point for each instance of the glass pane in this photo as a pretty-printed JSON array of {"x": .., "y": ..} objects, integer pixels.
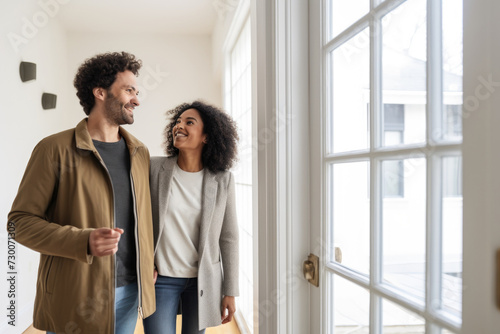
[
  {"x": 393, "y": 178},
  {"x": 452, "y": 235},
  {"x": 396, "y": 319},
  {"x": 350, "y": 214},
  {"x": 404, "y": 73},
  {"x": 350, "y": 73},
  {"x": 351, "y": 307},
  {"x": 452, "y": 69},
  {"x": 452, "y": 121},
  {"x": 403, "y": 224},
  {"x": 346, "y": 12},
  {"x": 238, "y": 97}
]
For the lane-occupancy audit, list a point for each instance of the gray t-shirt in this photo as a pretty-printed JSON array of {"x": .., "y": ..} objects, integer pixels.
[{"x": 117, "y": 160}]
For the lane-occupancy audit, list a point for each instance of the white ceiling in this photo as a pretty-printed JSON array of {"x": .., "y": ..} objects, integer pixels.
[{"x": 152, "y": 16}]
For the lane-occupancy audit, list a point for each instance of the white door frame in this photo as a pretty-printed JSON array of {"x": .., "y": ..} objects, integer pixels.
[
  {"x": 265, "y": 313},
  {"x": 317, "y": 323},
  {"x": 281, "y": 102}
]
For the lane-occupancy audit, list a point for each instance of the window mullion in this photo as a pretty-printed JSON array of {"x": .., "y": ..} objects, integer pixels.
[
  {"x": 434, "y": 239},
  {"x": 434, "y": 71},
  {"x": 374, "y": 3},
  {"x": 375, "y": 174},
  {"x": 434, "y": 179}
]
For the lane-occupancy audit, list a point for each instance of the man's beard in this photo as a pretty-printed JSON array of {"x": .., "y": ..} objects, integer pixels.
[{"x": 115, "y": 111}]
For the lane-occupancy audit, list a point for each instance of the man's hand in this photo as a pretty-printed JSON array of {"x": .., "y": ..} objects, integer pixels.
[
  {"x": 155, "y": 276},
  {"x": 228, "y": 303},
  {"x": 104, "y": 241}
]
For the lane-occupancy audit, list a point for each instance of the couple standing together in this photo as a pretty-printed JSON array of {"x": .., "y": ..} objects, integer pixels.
[{"x": 120, "y": 234}]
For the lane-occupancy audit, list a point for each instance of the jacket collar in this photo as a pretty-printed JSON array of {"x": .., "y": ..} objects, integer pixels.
[{"x": 84, "y": 141}]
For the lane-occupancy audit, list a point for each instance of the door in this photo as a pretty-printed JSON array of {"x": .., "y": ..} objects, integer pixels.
[{"x": 387, "y": 189}]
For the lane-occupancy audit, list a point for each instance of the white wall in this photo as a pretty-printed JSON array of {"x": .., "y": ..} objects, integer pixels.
[
  {"x": 37, "y": 38},
  {"x": 481, "y": 120},
  {"x": 176, "y": 69}
]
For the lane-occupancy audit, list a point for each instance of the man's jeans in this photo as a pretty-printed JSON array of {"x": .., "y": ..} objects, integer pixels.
[{"x": 126, "y": 303}]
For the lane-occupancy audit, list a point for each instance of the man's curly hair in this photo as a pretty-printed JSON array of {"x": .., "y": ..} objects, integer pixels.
[
  {"x": 100, "y": 71},
  {"x": 220, "y": 152}
]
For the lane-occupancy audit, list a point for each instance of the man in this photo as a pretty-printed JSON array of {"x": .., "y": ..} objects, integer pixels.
[{"x": 84, "y": 197}]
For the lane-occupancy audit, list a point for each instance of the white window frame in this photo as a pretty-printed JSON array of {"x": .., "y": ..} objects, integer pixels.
[
  {"x": 240, "y": 18},
  {"x": 432, "y": 150},
  {"x": 480, "y": 130},
  {"x": 281, "y": 99},
  {"x": 245, "y": 324}
]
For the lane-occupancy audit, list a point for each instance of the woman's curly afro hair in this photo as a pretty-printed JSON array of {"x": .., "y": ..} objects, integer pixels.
[
  {"x": 220, "y": 151},
  {"x": 100, "y": 71}
]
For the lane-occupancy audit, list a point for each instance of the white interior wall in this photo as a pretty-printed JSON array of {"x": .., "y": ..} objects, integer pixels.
[
  {"x": 176, "y": 69},
  {"x": 481, "y": 163},
  {"x": 29, "y": 34}
]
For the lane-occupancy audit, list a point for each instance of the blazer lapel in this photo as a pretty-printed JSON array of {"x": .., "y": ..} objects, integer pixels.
[
  {"x": 164, "y": 180},
  {"x": 210, "y": 186}
]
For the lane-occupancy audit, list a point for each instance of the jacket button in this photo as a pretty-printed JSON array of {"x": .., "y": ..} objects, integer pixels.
[{"x": 201, "y": 293}]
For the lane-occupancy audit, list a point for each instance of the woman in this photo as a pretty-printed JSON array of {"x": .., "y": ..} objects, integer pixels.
[{"x": 194, "y": 221}]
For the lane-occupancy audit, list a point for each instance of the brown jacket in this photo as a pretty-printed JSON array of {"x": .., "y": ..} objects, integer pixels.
[{"x": 65, "y": 193}]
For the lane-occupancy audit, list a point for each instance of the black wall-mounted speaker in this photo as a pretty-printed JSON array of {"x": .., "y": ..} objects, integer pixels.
[
  {"x": 49, "y": 101},
  {"x": 27, "y": 71}
]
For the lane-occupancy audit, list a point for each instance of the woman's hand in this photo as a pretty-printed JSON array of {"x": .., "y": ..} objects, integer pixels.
[
  {"x": 228, "y": 303},
  {"x": 155, "y": 276}
]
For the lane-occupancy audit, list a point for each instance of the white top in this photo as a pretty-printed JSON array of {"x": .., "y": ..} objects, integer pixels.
[{"x": 178, "y": 244}]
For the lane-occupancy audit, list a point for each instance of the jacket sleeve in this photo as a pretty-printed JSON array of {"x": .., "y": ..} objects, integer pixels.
[
  {"x": 28, "y": 214},
  {"x": 229, "y": 244}
]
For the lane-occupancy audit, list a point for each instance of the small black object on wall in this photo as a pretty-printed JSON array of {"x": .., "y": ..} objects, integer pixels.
[
  {"x": 27, "y": 71},
  {"x": 49, "y": 101}
]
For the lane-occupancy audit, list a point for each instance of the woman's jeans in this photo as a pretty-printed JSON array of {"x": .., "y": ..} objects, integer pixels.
[
  {"x": 169, "y": 291},
  {"x": 126, "y": 302}
]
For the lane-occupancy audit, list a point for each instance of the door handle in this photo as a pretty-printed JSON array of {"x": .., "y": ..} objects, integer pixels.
[{"x": 311, "y": 269}]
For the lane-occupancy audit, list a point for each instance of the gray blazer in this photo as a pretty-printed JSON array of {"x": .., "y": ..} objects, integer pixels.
[{"x": 218, "y": 243}]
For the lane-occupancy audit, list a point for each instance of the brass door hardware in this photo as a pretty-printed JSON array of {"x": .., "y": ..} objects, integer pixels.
[
  {"x": 311, "y": 269},
  {"x": 338, "y": 255}
]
